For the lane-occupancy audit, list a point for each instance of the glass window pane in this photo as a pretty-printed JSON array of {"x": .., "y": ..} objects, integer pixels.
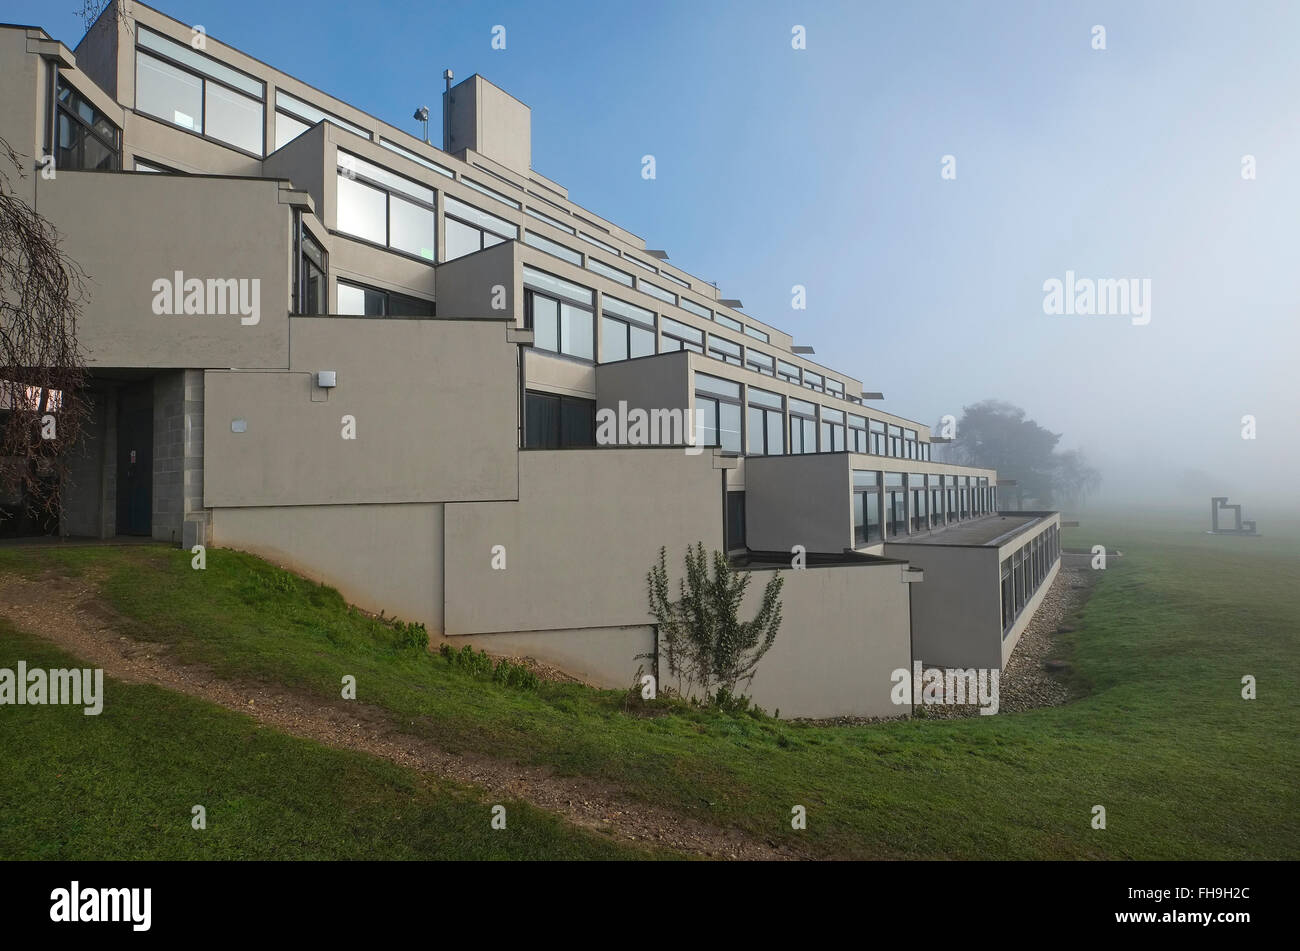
[
  {"x": 695, "y": 308},
  {"x": 757, "y": 430},
  {"x": 546, "y": 323},
  {"x": 352, "y": 300},
  {"x": 668, "y": 325},
  {"x": 613, "y": 340},
  {"x": 197, "y": 61},
  {"x": 382, "y": 176},
  {"x": 541, "y": 421},
  {"x": 576, "y": 332},
  {"x": 655, "y": 290},
  {"x": 706, "y": 421},
  {"x": 642, "y": 342},
  {"x": 577, "y": 422},
  {"x": 362, "y": 210},
  {"x": 287, "y": 128},
  {"x": 613, "y": 273},
  {"x": 552, "y": 247},
  {"x": 775, "y": 434},
  {"x": 711, "y": 384},
  {"x": 412, "y": 228},
  {"x": 480, "y": 218},
  {"x": 630, "y": 311},
  {"x": 233, "y": 118},
  {"x": 418, "y": 159},
  {"x": 551, "y": 284},
  {"x": 355, "y": 301},
  {"x": 310, "y": 114},
  {"x": 169, "y": 93},
  {"x": 461, "y": 239}
]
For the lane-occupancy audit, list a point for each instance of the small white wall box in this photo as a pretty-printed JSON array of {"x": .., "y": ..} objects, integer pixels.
[{"x": 325, "y": 379}]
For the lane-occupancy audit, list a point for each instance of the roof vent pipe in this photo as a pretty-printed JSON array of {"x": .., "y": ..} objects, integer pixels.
[{"x": 447, "y": 76}]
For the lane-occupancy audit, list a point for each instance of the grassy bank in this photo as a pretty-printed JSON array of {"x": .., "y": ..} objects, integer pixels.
[{"x": 1183, "y": 765}]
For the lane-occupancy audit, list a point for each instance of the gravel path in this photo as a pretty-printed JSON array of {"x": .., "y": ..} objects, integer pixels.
[{"x": 70, "y": 613}]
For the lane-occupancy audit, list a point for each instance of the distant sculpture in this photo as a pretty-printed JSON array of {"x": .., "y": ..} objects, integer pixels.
[{"x": 1217, "y": 504}]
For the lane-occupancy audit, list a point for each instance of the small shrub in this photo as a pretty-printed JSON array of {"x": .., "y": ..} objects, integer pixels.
[
  {"x": 479, "y": 665},
  {"x": 411, "y": 635}
]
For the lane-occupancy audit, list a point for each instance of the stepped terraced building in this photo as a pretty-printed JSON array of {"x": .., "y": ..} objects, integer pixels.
[{"x": 389, "y": 366}]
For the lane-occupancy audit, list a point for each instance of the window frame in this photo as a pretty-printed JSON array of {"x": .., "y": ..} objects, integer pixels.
[{"x": 204, "y": 79}]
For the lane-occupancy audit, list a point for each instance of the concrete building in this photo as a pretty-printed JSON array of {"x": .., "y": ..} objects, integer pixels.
[{"x": 398, "y": 368}]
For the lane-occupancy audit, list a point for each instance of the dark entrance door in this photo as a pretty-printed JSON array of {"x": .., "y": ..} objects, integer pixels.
[{"x": 135, "y": 460}]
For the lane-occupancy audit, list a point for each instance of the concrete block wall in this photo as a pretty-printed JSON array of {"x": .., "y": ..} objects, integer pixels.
[{"x": 178, "y": 457}]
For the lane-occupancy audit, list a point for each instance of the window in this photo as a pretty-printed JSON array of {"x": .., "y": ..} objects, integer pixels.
[
  {"x": 674, "y": 278},
  {"x": 857, "y": 433},
  {"x": 559, "y": 326},
  {"x": 490, "y": 192},
  {"x": 677, "y": 336},
  {"x": 936, "y": 503},
  {"x": 293, "y": 117},
  {"x": 626, "y": 331},
  {"x": 357, "y": 300},
  {"x": 916, "y": 482},
  {"x": 877, "y": 437},
  {"x": 909, "y": 444},
  {"x": 724, "y": 350},
  {"x": 758, "y": 334},
  {"x": 1008, "y": 602},
  {"x": 788, "y": 372},
  {"x": 766, "y": 423},
  {"x": 963, "y": 486},
  {"x": 735, "y": 521},
  {"x": 177, "y": 84},
  {"x": 554, "y": 223},
  {"x": 598, "y": 243},
  {"x": 695, "y": 308},
  {"x": 760, "y": 362},
  {"x": 639, "y": 263},
  {"x": 85, "y": 139},
  {"x": 717, "y": 413},
  {"x": 384, "y": 208},
  {"x": 552, "y": 421},
  {"x": 803, "y": 427},
  {"x": 604, "y": 270},
  {"x": 895, "y": 505},
  {"x": 950, "y": 482},
  {"x": 166, "y": 92},
  {"x": 813, "y": 381},
  {"x": 832, "y": 430},
  {"x": 835, "y": 388},
  {"x": 727, "y": 322},
  {"x": 896, "y": 441},
  {"x": 469, "y": 229},
  {"x": 310, "y": 294},
  {"x": 1017, "y": 583},
  {"x": 552, "y": 247},
  {"x": 866, "y": 508},
  {"x": 654, "y": 290},
  {"x": 391, "y": 146},
  {"x": 147, "y": 165}
]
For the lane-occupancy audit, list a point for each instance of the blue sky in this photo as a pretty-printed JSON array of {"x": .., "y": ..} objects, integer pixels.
[{"x": 821, "y": 167}]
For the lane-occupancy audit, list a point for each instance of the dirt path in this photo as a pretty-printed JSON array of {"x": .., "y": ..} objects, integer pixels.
[{"x": 70, "y": 613}]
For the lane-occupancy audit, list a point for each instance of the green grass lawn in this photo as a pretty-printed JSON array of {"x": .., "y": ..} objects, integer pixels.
[
  {"x": 1183, "y": 765},
  {"x": 121, "y": 785}
]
